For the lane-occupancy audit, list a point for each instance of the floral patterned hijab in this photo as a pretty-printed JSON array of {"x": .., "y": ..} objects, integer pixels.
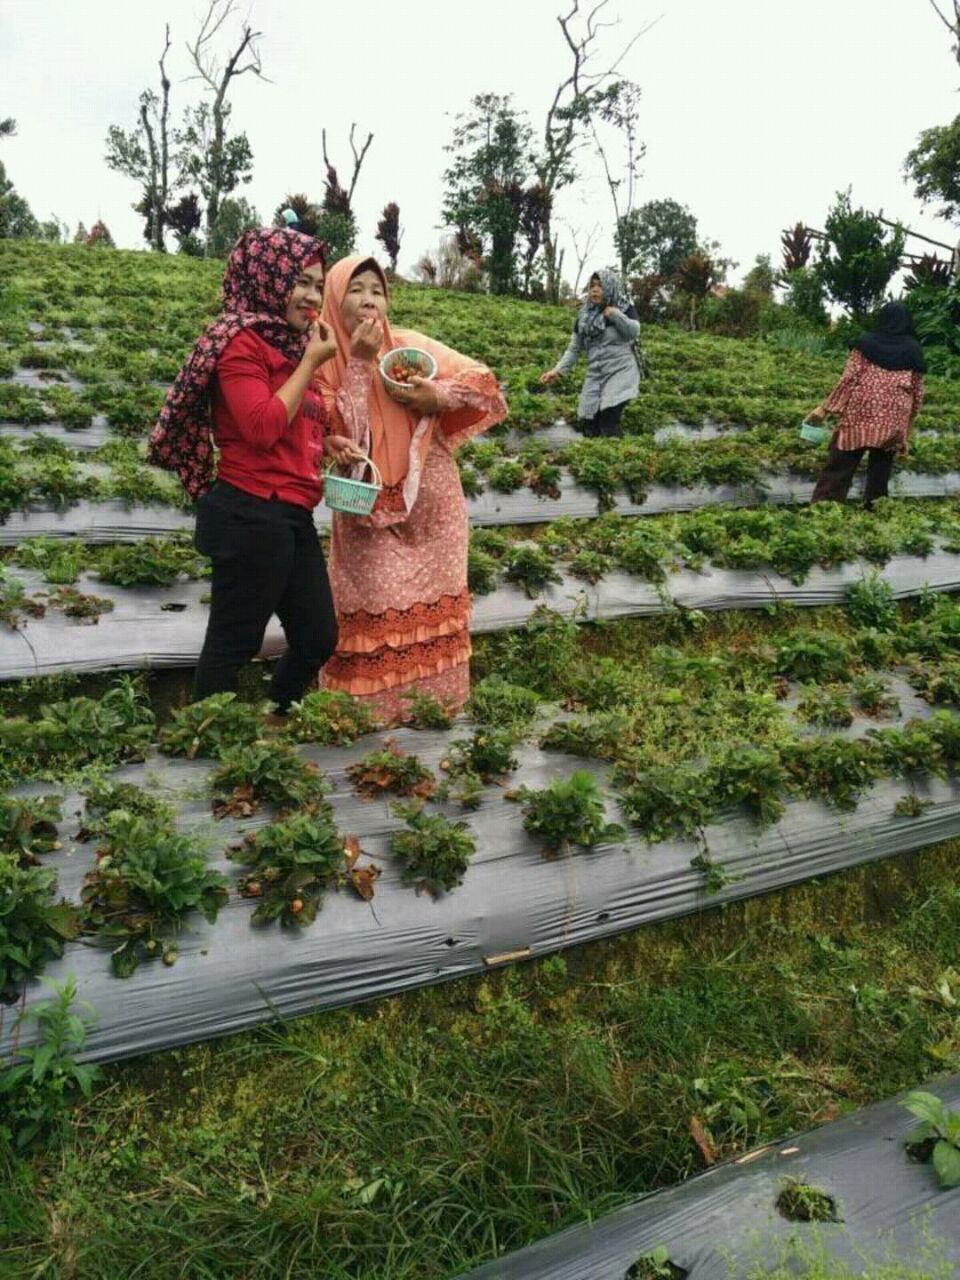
[
  {"x": 591, "y": 321},
  {"x": 261, "y": 271}
]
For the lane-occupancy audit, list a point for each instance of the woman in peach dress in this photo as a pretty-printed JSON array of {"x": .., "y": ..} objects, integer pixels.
[{"x": 399, "y": 575}]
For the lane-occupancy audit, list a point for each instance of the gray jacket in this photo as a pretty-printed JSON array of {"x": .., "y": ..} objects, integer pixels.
[{"x": 613, "y": 375}]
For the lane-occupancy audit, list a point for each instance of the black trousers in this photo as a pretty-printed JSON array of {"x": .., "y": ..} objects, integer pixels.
[
  {"x": 604, "y": 423},
  {"x": 267, "y": 560},
  {"x": 837, "y": 476}
]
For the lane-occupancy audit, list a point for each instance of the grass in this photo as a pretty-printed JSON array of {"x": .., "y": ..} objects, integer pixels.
[{"x": 421, "y": 1135}]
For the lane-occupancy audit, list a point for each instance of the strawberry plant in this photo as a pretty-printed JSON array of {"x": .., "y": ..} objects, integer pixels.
[
  {"x": 817, "y": 656},
  {"x": 153, "y": 562},
  {"x": 146, "y": 879},
  {"x": 543, "y": 478},
  {"x": 938, "y": 682},
  {"x": 750, "y": 776},
  {"x": 470, "y": 481},
  {"x": 643, "y": 552},
  {"x": 291, "y": 865},
  {"x": 655, "y": 1265},
  {"x": 212, "y": 727},
  {"x": 495, "y": 701},
  {"x": 911, "y": 806},
  {"x": 435, "y": 851},
  {"x": 483, "y": 570},
  {"x": 101, "y": 798},
  {"x": 506, "y": 476},
  {"x": 78, "y": 604},
  {"x": 798, "y": 1201},
  {"x": 591, "y": 565},
  {"x": 28, "y": 827},
  {"x": 487, "y": 753},
  {"x": 668, "y": 801},
  {"x": 908, "y": 752},
  {"x": 827, "y": 707},
  {"x": 329, "y": 717},
  {"x": 71, "y": 734},
  {"x": 601, "y": 736},
  {"x": 33, "y": 928},
  {"x": 58, "y": 560},
  {"x": 569, "y": 812},
  {"x": 871, "y": 603},
  {"x": 833, "y": 769},
  {"x": 937, "y": 1137},
  {"x": 16, "y": 605},
  {"x": 265, "y": 773},
  {"x": 391, "y": 771},
  {"x": 426, "y": 712},
  {"x": 530, "y": 567},
  {"x": 872, "y": 697}
]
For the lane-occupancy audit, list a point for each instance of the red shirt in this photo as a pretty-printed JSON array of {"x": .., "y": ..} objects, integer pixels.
[{"x": 260, "y": 452}]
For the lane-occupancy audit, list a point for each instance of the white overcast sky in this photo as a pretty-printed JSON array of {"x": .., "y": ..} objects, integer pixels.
[{"x": 755, "y": 112}]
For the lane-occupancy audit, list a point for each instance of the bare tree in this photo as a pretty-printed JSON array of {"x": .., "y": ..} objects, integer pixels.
[
  {"x": 618, "y": 107},
  {"x": 569, "y": 111},
  {"x": 951, "y": 23},
  {"x": 358, "y": 159},
  {"x": 582, "y": 257},
  {"x": 144, "y": 154},
  {"x": 219, "y": 162},
  {"x": 158, "y": 188}
]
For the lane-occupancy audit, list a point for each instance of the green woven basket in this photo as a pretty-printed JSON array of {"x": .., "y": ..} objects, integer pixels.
[
  {"x": 813, "y": 433},
  {"x": 352, "y": 497}
]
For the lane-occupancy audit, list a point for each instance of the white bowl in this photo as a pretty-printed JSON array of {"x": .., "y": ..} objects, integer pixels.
[{"x": 423, "y": 358}]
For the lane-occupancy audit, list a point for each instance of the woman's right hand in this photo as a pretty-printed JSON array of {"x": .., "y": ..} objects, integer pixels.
[
  {"x": 367, "y": 339},
  {"x": 322, "y": 345},
  {"x": 817, "y": 415},
  {"x": 550, "y": 376}
]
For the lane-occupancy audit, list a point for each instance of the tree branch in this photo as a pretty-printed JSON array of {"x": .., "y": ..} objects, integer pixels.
[{"x": 357, "y": 161}]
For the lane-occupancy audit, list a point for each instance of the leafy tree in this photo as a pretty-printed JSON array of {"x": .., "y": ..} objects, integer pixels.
[
  {"x": 8, "y": 127},
  {"x": 214, "y": 161},
  {"x": 934, "y": 168},
  {"x": 308, "y": 213},
  {"x": 761, "y": 278},
  {"x": 696, "y": 276},
  {"x": 184, "y": 220},
  {"x": 235, "y": 217},
  {"x": 804, "y": 294},
  {"x": 389, "y": 233},
  {"x": 485, "y": 183},
  {"x": 99, "y": 236},
  {"x": 797, "y": 245},
  {"x": 657, "y": 237},
  {"x": 858, "y": 258},
  {"x": 16, "y": 218}
]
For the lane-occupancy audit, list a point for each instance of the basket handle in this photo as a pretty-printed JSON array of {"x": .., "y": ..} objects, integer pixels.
[{"x": 369, "y": 462}]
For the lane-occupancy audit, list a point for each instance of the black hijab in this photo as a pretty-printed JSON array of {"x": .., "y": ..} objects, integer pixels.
[{"x": 893, "y": 343}]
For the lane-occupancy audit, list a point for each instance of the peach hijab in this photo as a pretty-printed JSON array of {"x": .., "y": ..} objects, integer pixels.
[{"x": 399, "y": 441}]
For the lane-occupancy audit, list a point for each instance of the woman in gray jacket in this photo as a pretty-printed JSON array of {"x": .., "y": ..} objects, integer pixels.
[{"x": 605, "y": 332}]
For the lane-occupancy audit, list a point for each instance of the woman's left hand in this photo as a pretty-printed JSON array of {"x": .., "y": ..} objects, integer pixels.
[
  {"x": 420, "y": 396},
  {"x": 609, "y": 311},
  {"x": 342, "y": 450}
]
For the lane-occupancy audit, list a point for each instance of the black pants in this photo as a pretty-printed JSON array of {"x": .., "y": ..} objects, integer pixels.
[
  {"x": 604, "y": 423},
  {"x": 837, "y": 476},
  {"x": 266, "y": 560}
]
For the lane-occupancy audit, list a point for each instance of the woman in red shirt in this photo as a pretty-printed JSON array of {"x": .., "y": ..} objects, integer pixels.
[
  {"x": 876, "y": 401},
  {"x": 249, "y": 377}
]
